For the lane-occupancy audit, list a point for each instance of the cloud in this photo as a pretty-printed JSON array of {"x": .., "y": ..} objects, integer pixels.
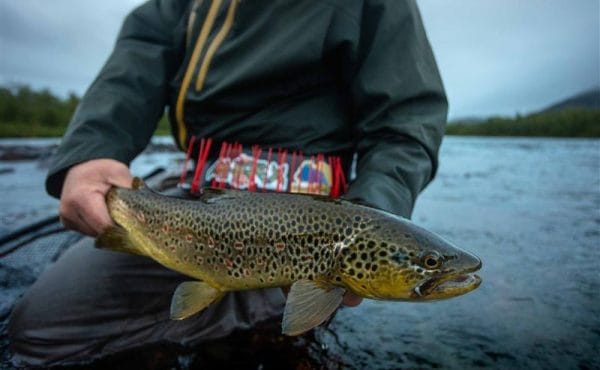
[
  {"x": 60, "y": 44},
  {"x": 496, "y": 57},
  {"x": 504, "y": 57}
]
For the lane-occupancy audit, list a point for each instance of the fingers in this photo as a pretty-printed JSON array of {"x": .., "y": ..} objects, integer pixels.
[
  {"x": 95, "y": 213},
  {"x": 85, "y": 214},
  {"x": 82, "y": 204},
  {"x": 75, "y": 223}
]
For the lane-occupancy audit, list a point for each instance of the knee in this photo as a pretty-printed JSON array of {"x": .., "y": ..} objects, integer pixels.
[
  {"x": 17, "y": 329},
  {"x": 30, "y": 335}
]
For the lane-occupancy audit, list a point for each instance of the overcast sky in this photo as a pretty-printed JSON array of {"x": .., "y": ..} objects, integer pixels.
[{"x": 496, "y": 57}]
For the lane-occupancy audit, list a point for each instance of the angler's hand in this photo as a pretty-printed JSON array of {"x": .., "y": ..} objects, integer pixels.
[{"x": 82, "y": 204}]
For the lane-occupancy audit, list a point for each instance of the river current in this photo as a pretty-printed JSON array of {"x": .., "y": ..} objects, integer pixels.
[{"x": 528, "y": 207}]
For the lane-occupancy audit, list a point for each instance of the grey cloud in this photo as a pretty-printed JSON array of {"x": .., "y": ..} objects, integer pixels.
[{"x": 496, "y": 57}]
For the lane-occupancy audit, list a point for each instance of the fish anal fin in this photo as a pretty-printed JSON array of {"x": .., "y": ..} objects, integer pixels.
[
  {"x": 191, "y": 297},
  {"x": 308, "y": 305},
  {"x": 116, "y": 238}
]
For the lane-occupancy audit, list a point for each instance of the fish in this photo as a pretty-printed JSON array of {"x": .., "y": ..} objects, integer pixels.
[{"x": 230, "y": 240}]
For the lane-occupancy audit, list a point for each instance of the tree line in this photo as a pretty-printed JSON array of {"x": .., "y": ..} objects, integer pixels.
[
  {"x": 571, "y": 122},
  {"x": 25, "y": 112}
]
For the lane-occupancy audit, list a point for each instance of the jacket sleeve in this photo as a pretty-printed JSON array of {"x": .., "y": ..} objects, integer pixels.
[
  {"x": 120, "y": 111},
  {"x": 399, "y": 107}
]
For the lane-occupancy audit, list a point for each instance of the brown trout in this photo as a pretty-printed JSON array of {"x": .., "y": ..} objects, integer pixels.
[{"x": 230, "y": 240}]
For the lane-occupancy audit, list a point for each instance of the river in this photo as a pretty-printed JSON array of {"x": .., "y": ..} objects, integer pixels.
[{"x": 528, "y": 207}]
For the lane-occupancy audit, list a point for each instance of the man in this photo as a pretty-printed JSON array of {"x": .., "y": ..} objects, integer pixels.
[{"x": 332, "y": 77}]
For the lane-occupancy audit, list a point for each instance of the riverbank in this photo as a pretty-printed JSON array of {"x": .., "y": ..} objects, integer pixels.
[
  {"x": 28, "y": 113},
  {"x": 572, "y": 122}
]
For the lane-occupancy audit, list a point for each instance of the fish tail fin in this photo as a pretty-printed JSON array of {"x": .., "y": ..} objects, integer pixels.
[{"x": 116, "y": 238}]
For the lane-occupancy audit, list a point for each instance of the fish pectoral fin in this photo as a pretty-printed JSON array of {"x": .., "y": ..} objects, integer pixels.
[
  {"x": 191, "y": 297},
  {"x": 308, "y": 305},
  {"x": 116, "y": 238}
]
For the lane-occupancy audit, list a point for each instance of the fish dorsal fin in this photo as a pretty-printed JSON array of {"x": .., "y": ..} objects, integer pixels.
[
  {"x": 116, "y": 238},
  {"x": 308, "y": 305},
  {"x": 191, "y": 297},
  {"x": 137, "y": 183},
  {"x": 213, "y": 195}
]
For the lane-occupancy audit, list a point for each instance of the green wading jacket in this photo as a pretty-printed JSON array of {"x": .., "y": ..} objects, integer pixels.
[{"x": 322, "y": 76}]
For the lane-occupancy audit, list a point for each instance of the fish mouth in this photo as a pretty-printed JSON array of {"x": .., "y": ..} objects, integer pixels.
[{"x": 447, "y": 286}]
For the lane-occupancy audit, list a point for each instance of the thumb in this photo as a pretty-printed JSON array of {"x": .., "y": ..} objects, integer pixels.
[{"x": 120, "y": 176}]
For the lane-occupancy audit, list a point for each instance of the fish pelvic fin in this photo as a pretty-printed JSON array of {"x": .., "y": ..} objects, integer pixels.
[
  {"x": 116, "y": 238},
  {"x": 308, "y": 305},
  {"x": 191, "y": 297}
]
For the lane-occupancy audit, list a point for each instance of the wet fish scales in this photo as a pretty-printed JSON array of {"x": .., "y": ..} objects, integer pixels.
[{"x": 232, "y": 240}]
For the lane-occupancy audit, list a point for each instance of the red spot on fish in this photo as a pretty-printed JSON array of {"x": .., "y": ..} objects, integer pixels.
[
  {"x": 141, "y": 217},
  {"x": 189, "y": 238},
  {"x": 307, "y": 258},
  {"x": 246, "y": 272},
  {"x": 260, "y": 261},
  {"x": 211, "y": 242},
  {"x": 229, "y": 264},
  {"x": 173, "y": 247},
  {"x": 166, "y": 227},
  {"x": 238, "y": 245},
  {"x": 280, "y": 246}
]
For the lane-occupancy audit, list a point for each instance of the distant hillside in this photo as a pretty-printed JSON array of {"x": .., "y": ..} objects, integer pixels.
[
  {"x": 577, "y": 116},
  {"x": 585, "y": 100}
]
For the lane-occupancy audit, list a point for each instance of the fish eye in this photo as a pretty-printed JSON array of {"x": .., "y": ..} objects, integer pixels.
[{"x": 431, "y": 261}]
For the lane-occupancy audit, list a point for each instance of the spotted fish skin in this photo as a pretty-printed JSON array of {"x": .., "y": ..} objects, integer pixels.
[
  {"x": 233, "y": 240},
  {"x": 239, "y": 240}
]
